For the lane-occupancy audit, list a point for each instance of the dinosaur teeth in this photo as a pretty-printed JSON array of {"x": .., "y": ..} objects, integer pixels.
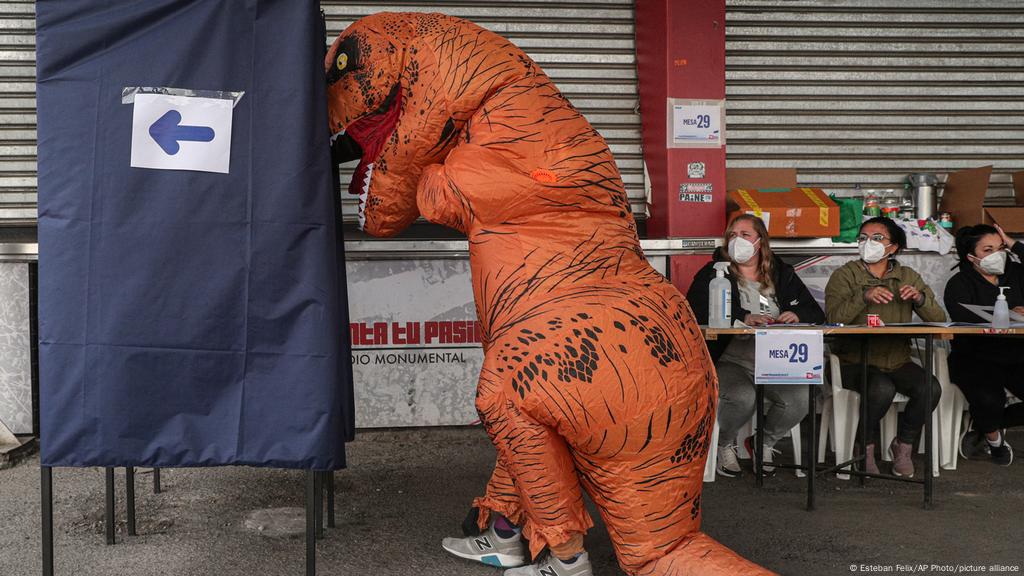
[
  {"x": 336, "y": 136},
  {"x": 366, "y": 180},
  {"x": 363, "y": 195}
]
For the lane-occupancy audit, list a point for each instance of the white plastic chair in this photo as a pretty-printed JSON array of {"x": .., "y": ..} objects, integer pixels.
[
  {"x": 711, "y": 465},
  {"x": 841, "y": 414},
  {"x": 951, "y": 412}
]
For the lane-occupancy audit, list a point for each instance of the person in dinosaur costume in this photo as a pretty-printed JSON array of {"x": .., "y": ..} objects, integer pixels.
[{"x": 595, "y": 375}]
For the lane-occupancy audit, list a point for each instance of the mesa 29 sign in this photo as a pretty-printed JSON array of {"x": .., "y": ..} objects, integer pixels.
[
  {"x": 695, "y": 123},
  {"x": 788, "y": 357}
]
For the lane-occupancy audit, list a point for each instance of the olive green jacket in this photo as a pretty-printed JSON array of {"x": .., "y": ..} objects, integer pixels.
[{"x": 845, "y": 304}]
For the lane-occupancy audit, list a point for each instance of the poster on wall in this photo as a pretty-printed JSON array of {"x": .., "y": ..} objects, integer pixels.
[
  {"x": 416, "y": 343},
  {"x": 696, "y": 123},
  {"x": 15, "y": 349}
]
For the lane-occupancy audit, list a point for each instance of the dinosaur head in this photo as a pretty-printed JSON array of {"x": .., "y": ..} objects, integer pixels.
[
  {"x": 364, "y": 69},
  {"x": 398, "y": 96}
]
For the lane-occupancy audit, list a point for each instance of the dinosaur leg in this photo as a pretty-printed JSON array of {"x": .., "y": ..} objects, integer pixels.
[
  {"x": 501, "y": 496},
  {"x": 534, "y": 483}
]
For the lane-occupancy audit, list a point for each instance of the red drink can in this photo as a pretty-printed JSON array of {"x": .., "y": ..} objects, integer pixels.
[{"x": 874, "y": 320}]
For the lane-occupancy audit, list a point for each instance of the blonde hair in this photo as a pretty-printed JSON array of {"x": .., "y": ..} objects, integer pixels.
[{"x": 766, "y": 264}]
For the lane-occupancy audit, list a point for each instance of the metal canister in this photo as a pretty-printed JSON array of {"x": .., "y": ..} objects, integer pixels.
[
  {"x": 874, "y": 320},
  {"x": 923, "y": 186}
]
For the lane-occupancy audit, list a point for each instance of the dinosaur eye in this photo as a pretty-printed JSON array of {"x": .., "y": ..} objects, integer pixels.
[{"x": 346, "y": 59}]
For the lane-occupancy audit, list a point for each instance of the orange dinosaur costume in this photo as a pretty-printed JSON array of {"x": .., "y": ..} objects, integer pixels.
[{"x": 595, "y": 373}]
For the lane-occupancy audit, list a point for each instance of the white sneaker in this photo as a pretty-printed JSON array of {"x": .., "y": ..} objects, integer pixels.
[
  {"x": 728, "y": 464},
  {"x": 552, "y": 566},
  {"x": 489, "y": 548},
  {"x": 768, "y": 459}
]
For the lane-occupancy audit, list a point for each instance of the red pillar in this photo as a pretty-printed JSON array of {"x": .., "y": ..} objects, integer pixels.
[{"x": 681, "y": 54}]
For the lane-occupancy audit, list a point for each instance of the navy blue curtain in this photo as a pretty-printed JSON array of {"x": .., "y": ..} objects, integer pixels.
[{"x": 189, "y": 318}]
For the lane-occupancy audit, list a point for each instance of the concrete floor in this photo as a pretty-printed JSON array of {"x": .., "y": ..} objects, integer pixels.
[{"x": 406, "y": 489}]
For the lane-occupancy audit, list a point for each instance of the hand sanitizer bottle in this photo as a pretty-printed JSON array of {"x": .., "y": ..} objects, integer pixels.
[
  {"x": 1001, "y": 312},
  {"x": 720, "y": 297}
]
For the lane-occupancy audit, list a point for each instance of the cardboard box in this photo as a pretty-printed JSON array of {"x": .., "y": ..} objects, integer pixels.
[
  {"x": 736, "y": 178},
  {"x": 790, "y": 212},
  {"x": 1009, "y": 218},
  {"x": 964, "y": 196},
  {"x": 964, "y": 199},
  {"x": 1018, "y": 187},
  {"x": 754, "y": 178}
]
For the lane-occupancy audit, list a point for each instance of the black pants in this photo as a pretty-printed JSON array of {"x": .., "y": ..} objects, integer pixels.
[
  {"x": 908, "y": 380},
  {"x": 985, "y": 386}
]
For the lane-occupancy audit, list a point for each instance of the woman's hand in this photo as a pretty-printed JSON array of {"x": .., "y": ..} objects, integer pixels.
[
  {"x": 757, "y": 320},
  {"x": 909, "y": 293},
  {"x": 1006, "y": 239},
  {"x": 878, "y": 295},
  {"x": 788, "y": 318}
]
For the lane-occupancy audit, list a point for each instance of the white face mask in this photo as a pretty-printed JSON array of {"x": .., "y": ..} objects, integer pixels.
[
  {"x": 994, "y": 263},
  {"x": 742, "y": 250},
  {"x": 871, "y": 251}
]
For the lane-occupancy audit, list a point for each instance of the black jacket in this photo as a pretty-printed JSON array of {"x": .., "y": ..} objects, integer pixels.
[
  {"x": 790, "y": 292},
  {"x": 969, "y": 287}
]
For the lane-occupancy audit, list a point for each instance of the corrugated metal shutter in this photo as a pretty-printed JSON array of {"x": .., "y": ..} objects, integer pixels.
[
  {"x": 868, "y": 91},
  {"x": 587, "y": 48},
  {"x": 17, "y": 113}
]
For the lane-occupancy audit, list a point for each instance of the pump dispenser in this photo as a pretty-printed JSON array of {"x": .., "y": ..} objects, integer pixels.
[
  {"x": 1001, "y": 312},
  {"x": 720, "y": 298}
]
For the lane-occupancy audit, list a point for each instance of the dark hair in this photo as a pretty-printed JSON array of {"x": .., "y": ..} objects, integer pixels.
[
  {"x": 967, "y": 239},
  {"x": 896, "y": 234}
]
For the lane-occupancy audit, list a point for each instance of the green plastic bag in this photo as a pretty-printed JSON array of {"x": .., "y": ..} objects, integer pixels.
[{"x": 850, "y": 210}]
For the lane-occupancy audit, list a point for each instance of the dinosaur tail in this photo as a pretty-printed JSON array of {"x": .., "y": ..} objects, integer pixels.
[{"x": 702, "y": 555}]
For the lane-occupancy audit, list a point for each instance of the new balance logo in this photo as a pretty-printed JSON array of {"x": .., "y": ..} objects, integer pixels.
[
  {"x": 548, "y": 570},
  {"x": 484, "y": 544}
]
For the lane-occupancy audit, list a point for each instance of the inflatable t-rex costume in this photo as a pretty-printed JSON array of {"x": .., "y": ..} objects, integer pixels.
[{"x": 595, "y": 372}]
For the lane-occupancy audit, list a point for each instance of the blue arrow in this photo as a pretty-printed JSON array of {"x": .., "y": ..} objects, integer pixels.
[{"x": 167, "y": 132}]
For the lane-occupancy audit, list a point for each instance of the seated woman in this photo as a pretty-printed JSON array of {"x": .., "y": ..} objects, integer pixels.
[
  {"x": 878, "y": 284},
  {"x": 984, "y": 367},
  {"x": 765, "y": 290}
]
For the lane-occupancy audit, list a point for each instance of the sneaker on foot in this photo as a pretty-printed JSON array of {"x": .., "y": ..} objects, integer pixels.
[
  {"x": 489, "y": 548},
  {"x": 1002, "y": 454},
  {"x": 728, "y": 464},
  {"x": 767, "y": 469},
  {"x": 973, "y": 446},
  {"x": 870, "y": 465},
  {"x": 902, "y": 463},
  {"x": 552, "y": 566}
]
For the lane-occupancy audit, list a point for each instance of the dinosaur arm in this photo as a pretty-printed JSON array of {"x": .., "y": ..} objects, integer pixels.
[
  {"x": 474, "y": 185},
  {"x": 441, "y": 201}
]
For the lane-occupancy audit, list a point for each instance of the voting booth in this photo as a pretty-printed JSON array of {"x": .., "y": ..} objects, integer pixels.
[{"x": 191, "y": 280}]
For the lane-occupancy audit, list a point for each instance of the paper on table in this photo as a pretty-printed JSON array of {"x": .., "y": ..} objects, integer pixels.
[
  {"x": 946, "y": 324},
  {"x": 985, "y": 312}
]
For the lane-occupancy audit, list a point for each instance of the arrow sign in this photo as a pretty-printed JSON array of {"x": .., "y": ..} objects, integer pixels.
[
  {"x": 168, "y": 131},
  {"x": 163, "y": 124}
]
